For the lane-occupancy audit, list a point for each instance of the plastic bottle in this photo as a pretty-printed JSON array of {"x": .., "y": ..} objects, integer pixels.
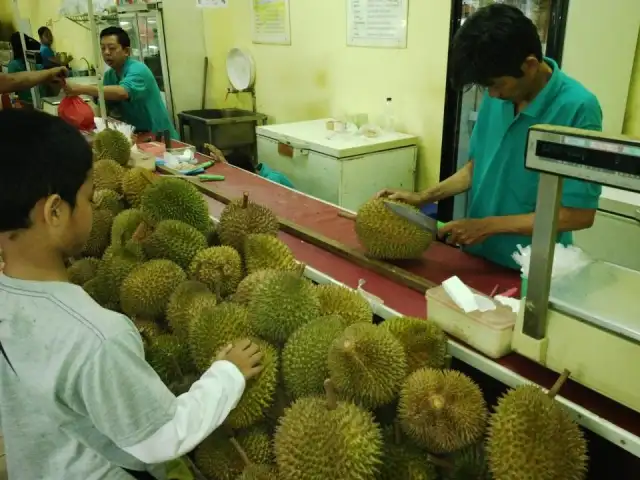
[{"x": 388, "y": 119}]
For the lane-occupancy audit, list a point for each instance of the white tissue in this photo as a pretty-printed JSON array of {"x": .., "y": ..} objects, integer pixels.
[
  {"x": 512, "y": 303},
  {"x": 464, "y": 298},
  {"x": 566, "y": 259}
]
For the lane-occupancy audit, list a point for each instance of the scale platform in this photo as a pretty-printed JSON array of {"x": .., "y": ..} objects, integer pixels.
[{"x": 601, "y": 294}]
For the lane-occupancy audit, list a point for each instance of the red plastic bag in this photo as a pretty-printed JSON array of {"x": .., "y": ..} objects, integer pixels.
[{"x": 75, "y": 111}]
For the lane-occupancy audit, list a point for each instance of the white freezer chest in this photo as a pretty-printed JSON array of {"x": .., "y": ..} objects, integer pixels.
[{"x": 345, "y": 169}]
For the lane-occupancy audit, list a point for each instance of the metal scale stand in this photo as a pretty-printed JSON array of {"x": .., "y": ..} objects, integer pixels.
[{"x": 587, "y": 322}]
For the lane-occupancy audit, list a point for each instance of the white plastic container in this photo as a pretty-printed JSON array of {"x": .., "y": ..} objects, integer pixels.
[{"x": 489, "y": 332}]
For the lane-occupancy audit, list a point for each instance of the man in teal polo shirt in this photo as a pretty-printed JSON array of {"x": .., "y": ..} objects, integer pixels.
[
  {"x": 499, "y": 48},
  {"x": 130, "y": 89}
]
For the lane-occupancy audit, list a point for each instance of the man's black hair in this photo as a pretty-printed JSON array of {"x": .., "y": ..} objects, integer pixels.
[
  {"x": 43, "y": 30},
  {"x": 493, "y": 42},
  {"x": 42, "y": 155},
  {"x": 119, "y": 33}
]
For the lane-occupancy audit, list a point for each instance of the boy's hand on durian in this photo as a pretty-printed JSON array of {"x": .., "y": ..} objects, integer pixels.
[{"x": 245, "y": 355}]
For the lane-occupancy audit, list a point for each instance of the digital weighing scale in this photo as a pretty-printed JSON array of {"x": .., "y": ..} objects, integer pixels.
[{"x": 589, "y": 321}]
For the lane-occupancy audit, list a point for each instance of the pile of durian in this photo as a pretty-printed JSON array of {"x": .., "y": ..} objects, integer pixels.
[{"x": 339, "y": 398}]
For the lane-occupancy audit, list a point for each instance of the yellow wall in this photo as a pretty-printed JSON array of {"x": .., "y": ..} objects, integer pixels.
[
  {"x": 632, "y": 116},
  {"x": 319, "y": 76},
  {"x": 69, "y": 37}
]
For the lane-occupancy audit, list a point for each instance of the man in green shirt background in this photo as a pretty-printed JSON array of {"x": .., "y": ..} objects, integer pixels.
[
  {"x": 499, "y": 48},
  {"x": 130, "y": 89}
]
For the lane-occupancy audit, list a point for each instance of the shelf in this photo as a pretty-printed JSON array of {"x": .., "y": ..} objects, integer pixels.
[{"x": 83, "y": 19}]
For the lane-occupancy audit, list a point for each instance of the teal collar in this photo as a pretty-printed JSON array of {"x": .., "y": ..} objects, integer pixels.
[{"x": 547, "y": 95}]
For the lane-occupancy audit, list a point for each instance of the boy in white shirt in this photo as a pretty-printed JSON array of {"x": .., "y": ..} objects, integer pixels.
[{"x": 78, "y": 401}]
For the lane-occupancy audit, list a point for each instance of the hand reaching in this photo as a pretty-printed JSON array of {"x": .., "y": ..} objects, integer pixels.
[
  {"x": 245, "y": 355},
  {"x": 412, "y": 198}
]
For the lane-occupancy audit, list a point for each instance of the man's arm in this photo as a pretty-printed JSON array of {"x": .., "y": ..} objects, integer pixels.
[
  {"x": 111, "y": 93},
  {"x": 457, "y": 183},
  {"x": 14, "y": 82}
]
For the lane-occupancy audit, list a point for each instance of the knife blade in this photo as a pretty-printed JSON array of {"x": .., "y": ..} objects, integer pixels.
[{"x": 417, "y": 218}]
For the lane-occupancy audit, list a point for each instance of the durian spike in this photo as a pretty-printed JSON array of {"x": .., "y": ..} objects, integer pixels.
[
  {"x": 349, "y": 347},
  {"x": 245, "y": 199},
  {"x": 559, "y": 383},
  {"x": 330, "y": 392},
  {"x": 347, "y": 215},
  {"x": 219, "y": 284},
  {"x": 149, "y": 177},
  {"x": 241, "y": 452},
  {"x": 439, "y": 462}
]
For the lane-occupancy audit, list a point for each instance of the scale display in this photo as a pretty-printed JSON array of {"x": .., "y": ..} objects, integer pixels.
[{"x": 585, "y": 155}]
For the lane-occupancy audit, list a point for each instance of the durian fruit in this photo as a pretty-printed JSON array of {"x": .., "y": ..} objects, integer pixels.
[
  {"x": 259, "y": 392},
  {"x": 304, "y": 357},
  {"x": 171, "y": 198},
  {"x": 468, "y": 463},
  {"x": 367, "y": 365},
  {"x": 215, "y": 328},
  {"x": 249, "y": 284},
  {"x": 114, "y": 269},
  {"x": 100, "y": 234},
  {"x": 129, "y": 248},
  {"x": 241, "y": 218},
  {"x": 403, "y": 460},
  {"x": 106, "y": 199},
  {"x": 186, "y": 303},
  {"x": 113, "y": 144},
  {"x": 147, "y": 289},
  {"x": 388, "y": 236},
  {"x": 176, "y": 241},
  {"x": 83, "y": 270},
  {"x": 217, "y": 458},
  {"x": 343, "y": 301},
  {"x": 134, "y": 183},
  {"x": 442, "y": 410},
  {"x": 282, "y": 304},
  {"x": 96, "y": 290},
  {"x": 148, "y": 329},
  {"x": 531, "y": 436},
  {"x": 219, "y": 268},
  {"x": 253, "y": 471},
  {"x": 322, "y": 438},
  {"x": 169, "y": 357},
  {"x": 108, "y": 174},
  {"x": 259, "y": 472},
  {"x": 263, "y": 251},
  {"x": 425, "y": 343},
  {"x": 125, "y": 225}
]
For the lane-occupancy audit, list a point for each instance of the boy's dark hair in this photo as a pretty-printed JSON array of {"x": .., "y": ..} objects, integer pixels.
[
  {"x": 493, "y": 42},
  {"x": 43, "y": 30},
  {"x": 119, "y": 33},
  {"x": 41, "y": 155}
]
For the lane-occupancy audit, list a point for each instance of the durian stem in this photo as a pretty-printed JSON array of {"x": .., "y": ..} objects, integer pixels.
[
  {"x": 397, "y": 432},
  {"x": 347, "y": 215},
  {"x": 437, "y": 402},
  {"x": 559, "y": 383},
  {"x": 241, "y": 452},
  {"x": 447, "y": 361},
  {"x": 330, "y": 392},
  {"x": 195, "y": 470},
  {"x": 245, "y": 199},
  {"x": 300, "y": 269},
  {"x": 439, "y": 462}
]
